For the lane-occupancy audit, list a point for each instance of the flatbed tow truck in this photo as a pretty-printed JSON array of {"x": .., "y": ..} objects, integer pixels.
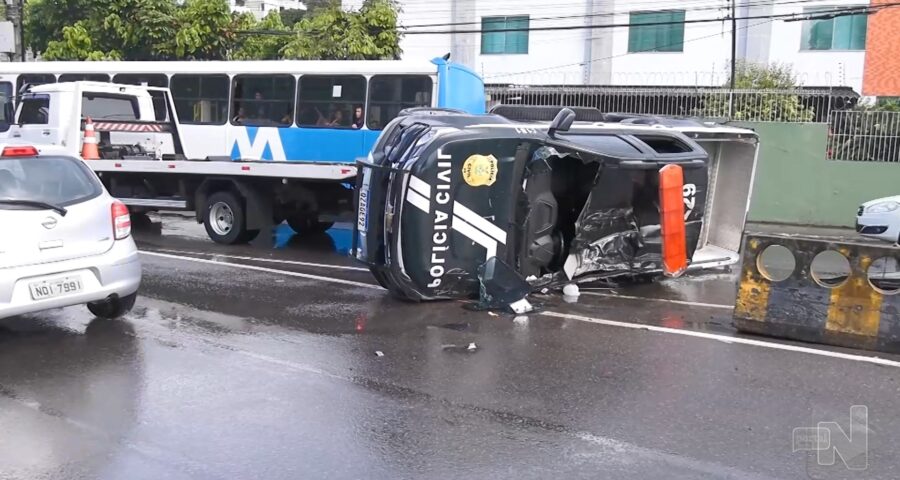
[{"x": 142, "y": 163}]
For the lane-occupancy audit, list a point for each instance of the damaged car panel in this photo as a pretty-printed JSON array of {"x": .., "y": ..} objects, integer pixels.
[{"x": 444, "y": 192}]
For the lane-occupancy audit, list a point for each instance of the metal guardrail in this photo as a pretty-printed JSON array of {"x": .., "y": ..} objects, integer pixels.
[
  {"x": 796, "y": 105},
  {"x": 820, "y": 290},
  {"x": 854, "y": 135},
  {"x": 864, "y": 136}
]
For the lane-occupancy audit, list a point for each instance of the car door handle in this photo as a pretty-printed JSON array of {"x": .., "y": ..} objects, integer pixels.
[
  {"x": 50, "y": 244},
  {"x": 46, "y": 133}
]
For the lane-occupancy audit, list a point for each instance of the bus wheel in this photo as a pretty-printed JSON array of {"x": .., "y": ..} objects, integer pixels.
[
  {"x": 304, "y": 224},
  {"x": 225, "y": 221}
]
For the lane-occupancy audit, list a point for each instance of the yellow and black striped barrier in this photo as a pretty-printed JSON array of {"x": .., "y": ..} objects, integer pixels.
[{"x": 813, "y": 289}]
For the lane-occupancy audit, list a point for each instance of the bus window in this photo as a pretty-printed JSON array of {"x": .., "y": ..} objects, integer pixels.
[
  {"x": 34, "y": 79},
  {"x": 388, "y": 94},
  {"x": 200, "y": 99},
  {"x": 109, "y": 107},
  {"x": 90, "y": 77},
  {"x": 263, "y": 100},
  {"x": 331, "y": 101},
  {"x": 150, "y": 80}
]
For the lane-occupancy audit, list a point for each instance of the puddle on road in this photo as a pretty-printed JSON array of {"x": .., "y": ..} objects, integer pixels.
[{"x": 337, "y": 240}]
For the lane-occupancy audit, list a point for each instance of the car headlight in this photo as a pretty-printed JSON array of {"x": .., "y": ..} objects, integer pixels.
[{"x": 883, "y": 207}]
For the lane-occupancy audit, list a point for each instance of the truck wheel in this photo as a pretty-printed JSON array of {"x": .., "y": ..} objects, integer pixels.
[
  {"x": 113, "y": 307},
  {"x": 225, "y": 221},
  {"x": 307, "y": 223}
]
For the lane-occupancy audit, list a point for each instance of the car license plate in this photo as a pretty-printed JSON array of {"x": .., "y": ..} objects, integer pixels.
[
  {"x": 362, "y": 216},
  {"x": 54, "y": 288}
]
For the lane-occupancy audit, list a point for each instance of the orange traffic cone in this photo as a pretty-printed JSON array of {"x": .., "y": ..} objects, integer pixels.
[{"x": 89, "y": 149}]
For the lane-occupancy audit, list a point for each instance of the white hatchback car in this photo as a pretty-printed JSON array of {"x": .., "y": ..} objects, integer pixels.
[
  {"x": 63, "y": 239},
  {"x": 880, "y": 218}
]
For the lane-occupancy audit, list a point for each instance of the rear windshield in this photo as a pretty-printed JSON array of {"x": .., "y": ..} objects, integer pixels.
[
  {"x": 57, "y": 180},
  {"x": 109, "y": 107}
]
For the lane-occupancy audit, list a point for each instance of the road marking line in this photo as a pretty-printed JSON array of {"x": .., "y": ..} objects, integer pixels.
[
  {"x": 267, "y": 270},
  {"x": 728, "y": 339},
  {"x": 264, "y": 260},
  {"x": 667, "y": 300}
]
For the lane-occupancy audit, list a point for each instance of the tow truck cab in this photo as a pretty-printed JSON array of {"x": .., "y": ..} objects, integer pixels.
[
  {"x": 54, "y": 114},
  {"x": 573, "y": 206}
]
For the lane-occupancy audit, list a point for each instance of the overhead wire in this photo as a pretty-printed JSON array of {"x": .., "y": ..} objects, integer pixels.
[{"x": 643, "y": 7}]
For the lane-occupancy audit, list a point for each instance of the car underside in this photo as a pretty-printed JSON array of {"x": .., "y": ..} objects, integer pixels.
[{"x": 444, "y": 193}]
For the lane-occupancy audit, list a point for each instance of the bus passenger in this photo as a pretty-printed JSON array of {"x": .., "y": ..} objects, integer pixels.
[
  {"x": 241, "y": 115},
  {"x": 358, "y": 118},
  {"x": 337, "y": 120}
]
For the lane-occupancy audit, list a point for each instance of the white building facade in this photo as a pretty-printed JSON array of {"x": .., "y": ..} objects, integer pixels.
[
  {"x": 634, "y": 42},
  {"x": 261, "y": 8}
]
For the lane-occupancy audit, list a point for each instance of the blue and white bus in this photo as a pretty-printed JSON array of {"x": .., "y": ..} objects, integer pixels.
[{"x": 325, "y": 111}]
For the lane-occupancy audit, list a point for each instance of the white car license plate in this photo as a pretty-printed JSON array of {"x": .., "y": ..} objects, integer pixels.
[{"x": 54, "y": 288}]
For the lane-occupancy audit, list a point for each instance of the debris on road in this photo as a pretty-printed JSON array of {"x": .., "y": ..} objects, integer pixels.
[
  {"x": 379, "y": 353},
  {"x": 471, "y": 347},
  {"x": 571, "y": 290},
  {"x": 502, "y": 287}
]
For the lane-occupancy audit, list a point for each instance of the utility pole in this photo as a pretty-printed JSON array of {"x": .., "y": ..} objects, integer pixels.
[
  {"x": 15, "y": 12},
  {"x": 733, "y": 41},
  {"x": 22, "y": 27},
  {"x": 733, "y": 57}
]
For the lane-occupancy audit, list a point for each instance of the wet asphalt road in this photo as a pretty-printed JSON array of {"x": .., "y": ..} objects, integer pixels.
[{"x": 254, "y": 362}]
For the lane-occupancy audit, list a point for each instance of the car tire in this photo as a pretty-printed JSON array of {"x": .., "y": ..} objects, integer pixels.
[
  {"x": 113, "y": 307},
  {"x": 307, "y": 223},
  {"x": 225, "y": 219}
]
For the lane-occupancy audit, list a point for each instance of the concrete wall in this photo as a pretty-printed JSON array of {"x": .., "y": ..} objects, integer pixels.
[{"x": 796, "y": 184}]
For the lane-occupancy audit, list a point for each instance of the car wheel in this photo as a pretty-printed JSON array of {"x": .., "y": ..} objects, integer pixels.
[
  {"x": 225, "y": 219},
  {"x": 113, "y": 307},
  {"x": 307, "y": 223}
]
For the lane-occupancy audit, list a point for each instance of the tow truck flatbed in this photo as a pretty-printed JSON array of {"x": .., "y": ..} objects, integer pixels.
[{"x": 287, "y": 170}]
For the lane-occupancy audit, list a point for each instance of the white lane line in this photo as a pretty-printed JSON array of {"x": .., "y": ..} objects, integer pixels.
[
  {"x": 264, "y": 260},
  {"x": 267, "y": 270},
  {"x": 667, "y": 300},
  {"x": 727, "y": 339}
]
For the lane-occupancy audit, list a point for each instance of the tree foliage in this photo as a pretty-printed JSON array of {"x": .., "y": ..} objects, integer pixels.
[
  {"x": 766, "y": 96},
  {"x": 333, "y": 33},
  {"x": 208, "y": 30},
  {"x": 260, "y": 46}
]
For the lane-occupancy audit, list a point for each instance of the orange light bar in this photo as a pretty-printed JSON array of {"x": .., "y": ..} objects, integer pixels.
[
  {"x": 671, "y": 220},
  {"x": 23, "y": 151}
]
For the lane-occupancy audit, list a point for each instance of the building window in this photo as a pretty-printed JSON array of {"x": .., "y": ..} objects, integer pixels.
[
  {"x": 263, "y": 100},
  {"x": 200, "y": 99},
  {"x": 656, "y": 31},
  {"x": 496, "y": 41},
  {"x": 389, "y": 94},
  {"x": 841, "y": 33}
]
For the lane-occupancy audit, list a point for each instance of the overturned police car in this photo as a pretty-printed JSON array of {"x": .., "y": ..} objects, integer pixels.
[{"x": 442, "y": 193}]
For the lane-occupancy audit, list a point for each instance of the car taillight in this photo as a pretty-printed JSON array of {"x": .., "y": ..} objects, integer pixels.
[{"x": 121, "y": 220}]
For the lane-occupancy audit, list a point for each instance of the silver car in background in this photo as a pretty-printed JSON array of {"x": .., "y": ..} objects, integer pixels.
[{"x": 63, "y": 239}]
